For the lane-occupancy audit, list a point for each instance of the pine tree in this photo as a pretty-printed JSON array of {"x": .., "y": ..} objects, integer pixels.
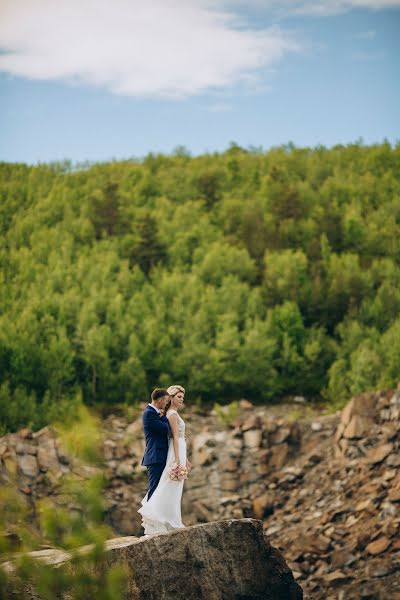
[{"x": 148, "y": 251}]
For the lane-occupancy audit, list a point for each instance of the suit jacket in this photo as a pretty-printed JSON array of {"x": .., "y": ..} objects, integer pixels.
[{"x": 156, "y": 430}]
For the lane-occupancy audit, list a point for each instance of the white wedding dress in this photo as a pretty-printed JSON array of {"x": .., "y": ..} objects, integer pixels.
[{"x": 162, "y": 512}]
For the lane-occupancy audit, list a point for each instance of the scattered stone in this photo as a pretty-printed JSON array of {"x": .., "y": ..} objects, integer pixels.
[
  {"x": 314, "y": 458},
  {"x": 299, "y": 400},
  {"x": 378, "y": 546},
  {"x": 125, "y": 469},
  {"x": 252, "y": 438},
  {"x": 109, "y": 449},
  {"x": 252, "y": 422},
  {"x": 316, "y": 426},
  {"x": 280, "y": 435},
  {"x": 316, "y": 544},
  {"x": 263, "y": 506},
  {"x": 365, "y": 505},
  {"x": 201, "y": 512},
  {"x": 28, "y": 465},
  {"x": 47, "y": 456},
  {"x": 245, "y": 405},
  {"x": 335, "y": 577},
  {"x": 278, "y": 455},
  {"x": 393, "y": 460},
  {"x": 341, "y": 557},
  {"x": 377, "y": 455},
  {"x": 364, "y": 405},
  {"x": 394, "y": 494},
  {"x": 357, "y": 427},
  {"x": 25, "y": 433},
  {"x": 270, "y": 531},
  {"x": 379, "y": 572},
  {"x": 25, "y": 448}
]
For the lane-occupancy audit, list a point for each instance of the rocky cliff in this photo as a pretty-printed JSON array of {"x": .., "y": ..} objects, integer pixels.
[
  {"x": 229, "y": 560},
  {"x": 326, "y": 487}
]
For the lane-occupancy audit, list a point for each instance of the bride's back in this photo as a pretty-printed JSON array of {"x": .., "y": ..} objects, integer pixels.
[{"x": 181, "y": 422}]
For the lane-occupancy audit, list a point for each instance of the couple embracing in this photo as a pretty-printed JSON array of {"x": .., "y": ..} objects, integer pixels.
[{"x": 165, "y": 459}]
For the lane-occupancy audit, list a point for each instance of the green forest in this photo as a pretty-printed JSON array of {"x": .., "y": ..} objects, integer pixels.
[{"x": 248, "y": 273}]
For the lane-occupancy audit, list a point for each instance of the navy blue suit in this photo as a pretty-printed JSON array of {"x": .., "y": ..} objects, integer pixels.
[{"x": 156, "y": 429}]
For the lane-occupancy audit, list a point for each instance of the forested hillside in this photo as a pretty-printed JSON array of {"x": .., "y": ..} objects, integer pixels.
[{"x": 243, "y": 274}]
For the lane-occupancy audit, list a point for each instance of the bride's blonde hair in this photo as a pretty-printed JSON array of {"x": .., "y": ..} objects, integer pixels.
[{"x": 172, "y": 391}]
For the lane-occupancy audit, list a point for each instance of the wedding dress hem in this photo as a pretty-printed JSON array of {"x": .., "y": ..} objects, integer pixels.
[{"x": 152, "y": 527}]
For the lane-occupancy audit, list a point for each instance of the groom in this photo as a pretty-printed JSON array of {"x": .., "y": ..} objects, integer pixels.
[{"x": 156, "y": 429}]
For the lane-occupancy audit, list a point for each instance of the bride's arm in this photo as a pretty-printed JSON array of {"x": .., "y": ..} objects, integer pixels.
[{"x": 173, "y": 421}]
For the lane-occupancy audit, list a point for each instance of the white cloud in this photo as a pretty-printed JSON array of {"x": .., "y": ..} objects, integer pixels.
[
  {"x": 373, "y": 4},
  {"x": 167, "y": 48},
  {"x": 316, "y": 8},
  {"x": 334, "y": 7}
]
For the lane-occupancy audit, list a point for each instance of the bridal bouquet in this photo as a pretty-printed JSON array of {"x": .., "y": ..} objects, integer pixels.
[{"x": 177, "y": 472}]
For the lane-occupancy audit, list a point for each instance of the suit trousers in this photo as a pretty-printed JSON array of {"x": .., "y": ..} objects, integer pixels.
[{"x": 154, "y": 473}]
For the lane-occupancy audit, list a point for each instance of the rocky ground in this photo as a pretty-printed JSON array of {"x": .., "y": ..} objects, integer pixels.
[
  {"x": 327, "y": 488},
  {"x": 334, "y": 510}
]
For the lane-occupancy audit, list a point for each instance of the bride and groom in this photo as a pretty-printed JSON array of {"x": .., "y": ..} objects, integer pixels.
[{"x": 165, "y": 459}]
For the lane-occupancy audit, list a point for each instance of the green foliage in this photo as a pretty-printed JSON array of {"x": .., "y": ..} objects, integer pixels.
[
  {"x": 246, "y": 273},
  {"x": 286, "y": 276},
  {"x": 81, "y": 435},
  {"x": 227, "y": 413},
  {"x": 209, "y": 184},
  {"x": 106, "y": 211},
  {"x": 219, "y": 260},
  {"x": 149, "y": 250},
  {"x": 77, "y": 527},
  {"x": 88, "y": 572},
  {"x": 20, "y": 409}
]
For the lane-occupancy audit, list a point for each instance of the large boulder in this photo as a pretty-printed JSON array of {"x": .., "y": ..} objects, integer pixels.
[{"x": 225, "y": 560}]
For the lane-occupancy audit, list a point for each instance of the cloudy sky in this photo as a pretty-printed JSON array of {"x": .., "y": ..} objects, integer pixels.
[{"x": 94, "y": 79}]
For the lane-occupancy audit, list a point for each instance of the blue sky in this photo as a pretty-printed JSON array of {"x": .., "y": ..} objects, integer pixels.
[{"x": 96, "y": 80}]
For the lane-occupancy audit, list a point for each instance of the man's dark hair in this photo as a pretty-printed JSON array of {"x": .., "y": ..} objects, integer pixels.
[{"x": 158, "y": 393}]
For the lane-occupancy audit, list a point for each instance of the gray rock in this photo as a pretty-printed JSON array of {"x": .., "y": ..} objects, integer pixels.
[
  {"x": 28, "y": 465},
  {"x": 47, "y": 456},
  {"x": 215, "y": 561}
]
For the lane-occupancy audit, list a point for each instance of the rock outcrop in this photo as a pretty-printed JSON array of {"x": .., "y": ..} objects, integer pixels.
[{"x": 227, "y": 560}]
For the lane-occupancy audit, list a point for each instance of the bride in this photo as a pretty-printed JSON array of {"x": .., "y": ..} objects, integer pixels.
[{"x": 162, "y": 512}]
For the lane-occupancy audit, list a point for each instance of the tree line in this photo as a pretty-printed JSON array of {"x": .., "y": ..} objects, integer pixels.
[{"x": 247, "y": 273}]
